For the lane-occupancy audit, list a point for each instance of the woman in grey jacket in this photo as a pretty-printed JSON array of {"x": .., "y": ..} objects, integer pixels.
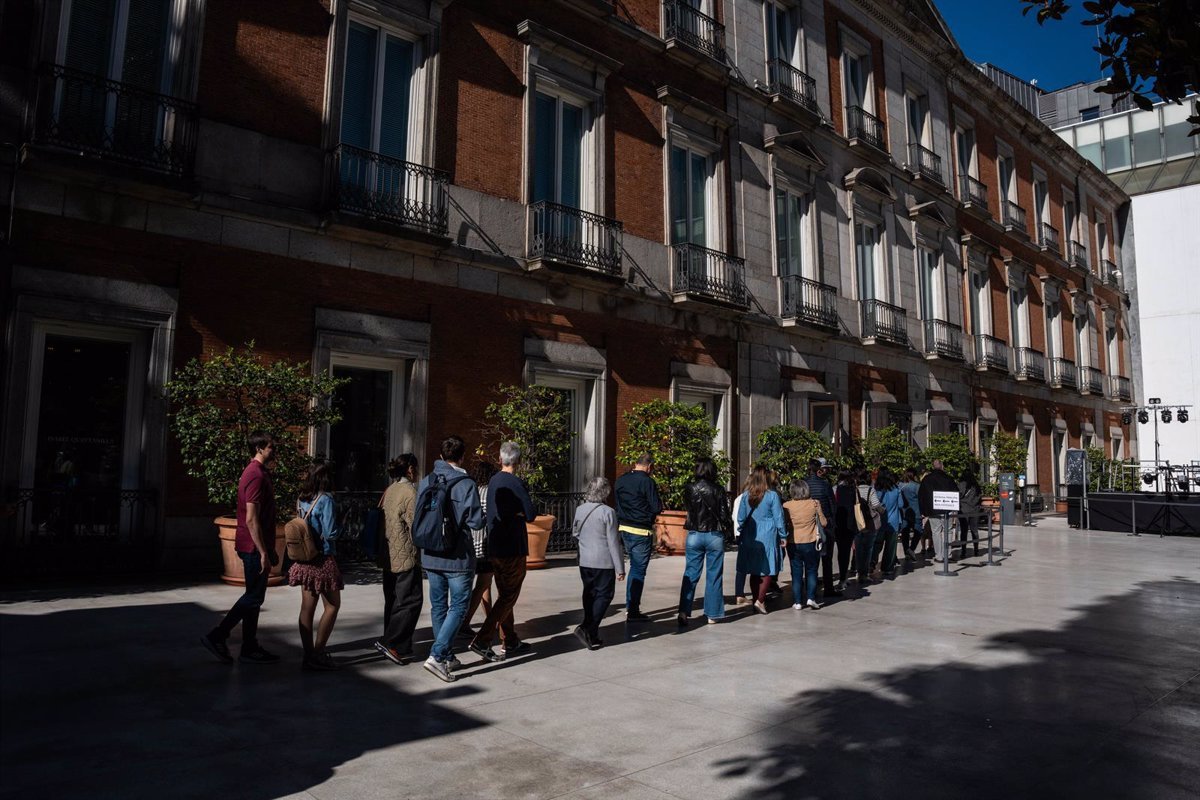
[{"x": 600, "y": 559}]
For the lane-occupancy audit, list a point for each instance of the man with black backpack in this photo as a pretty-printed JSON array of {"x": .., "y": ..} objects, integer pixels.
[{"x": 448, "y": 510}]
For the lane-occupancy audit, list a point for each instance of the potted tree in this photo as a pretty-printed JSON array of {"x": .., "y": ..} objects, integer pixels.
[
  {"x": 787, "y": 450},
  {"x": 216, "y": 403},
  {"x": 1009, "y": 454},
  {"x": 952, "y": 449},
  {"x": 676, "y": 434},
  {"x": 888, "y": 447},
  {"x": 537, "y": 419}
]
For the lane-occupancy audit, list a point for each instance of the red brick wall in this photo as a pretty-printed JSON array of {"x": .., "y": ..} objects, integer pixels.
[{"x": 263, "y": 66}]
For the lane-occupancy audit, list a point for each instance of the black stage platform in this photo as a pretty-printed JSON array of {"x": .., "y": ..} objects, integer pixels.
[{"x": 1138, "y": 512}]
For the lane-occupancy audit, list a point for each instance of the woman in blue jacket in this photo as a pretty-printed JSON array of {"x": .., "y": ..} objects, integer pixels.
[
  {"x": 760, "y": 521},
  {"x": 891, "y": 520},
  {"x": 319, "y": 578}
]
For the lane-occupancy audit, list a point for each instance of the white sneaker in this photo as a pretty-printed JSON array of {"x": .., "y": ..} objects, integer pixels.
[
  {"x": 813, "y": 604},
  {"x": 440, "y": 669},
  {"x": 797, "y": 606}
]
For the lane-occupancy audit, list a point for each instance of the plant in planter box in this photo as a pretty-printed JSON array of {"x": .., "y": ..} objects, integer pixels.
[
  {"x": 538, "y": 420},
  {"x": 787, "y": 449},
  {"x": 888, "y": 447},
  {"x": 952, "y": 449},
  {"x": 677, "y": 435},
  {"x": 216, "y": 403}
]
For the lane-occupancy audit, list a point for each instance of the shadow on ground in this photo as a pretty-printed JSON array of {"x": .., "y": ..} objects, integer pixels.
[
  {"x": 170, "y": 721},
  {"x": 1106, "y": 706}
]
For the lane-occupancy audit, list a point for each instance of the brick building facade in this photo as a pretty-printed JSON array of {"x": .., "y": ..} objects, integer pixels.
[{"x": 621, "y": 200}]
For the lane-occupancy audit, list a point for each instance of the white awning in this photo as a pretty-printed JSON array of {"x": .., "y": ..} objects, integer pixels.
[
  {"x": 880, "y": 397},
  {"x": 939, "y": 406},
  {"x": 805, "y": 386}
]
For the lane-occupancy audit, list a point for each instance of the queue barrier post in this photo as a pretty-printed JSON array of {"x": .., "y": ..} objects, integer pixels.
[{"x": 945, "y": 570}]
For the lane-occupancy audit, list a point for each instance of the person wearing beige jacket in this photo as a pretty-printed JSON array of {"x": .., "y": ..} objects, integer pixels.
[
  {"x": 402, "y": 591},
  {"x": 806, "y": 533}
]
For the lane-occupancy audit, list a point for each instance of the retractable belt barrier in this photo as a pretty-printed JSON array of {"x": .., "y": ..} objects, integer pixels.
[{"x": 995, "y": 530}]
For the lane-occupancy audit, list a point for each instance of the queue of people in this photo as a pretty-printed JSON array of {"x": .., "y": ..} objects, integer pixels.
[{"x": 479, "y": 523}]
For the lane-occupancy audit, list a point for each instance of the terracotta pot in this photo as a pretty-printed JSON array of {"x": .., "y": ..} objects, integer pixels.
[
  {"x": 232, "y": 572},
  {"x": 1060, "y": 506},
  {"x": 538, "y": 530},
  {"x": 671, "y": 533}
]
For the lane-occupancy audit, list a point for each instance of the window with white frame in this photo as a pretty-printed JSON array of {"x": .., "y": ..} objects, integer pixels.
[
  {"x": 561, "y": 162},
  {"x": 869, "y": 259},
  {"x": 382, "y": 93},
  {"x": 964, "y": 150},
  {"x": 1006, "y": 173},
  {"x": 1069, "y": 219},
  {"x": 793, "y": 231},
  {"x": 987, "y": 432},
  {"x": 979, "y": 292},
  {"x": 693, "y": 193},
  {"x": 708, "y": 388},
  {"x": 1083, "y": 350},
  {"x": 1018, "y": 309},
  {"x": 784, "y": 38},
  {"x": 1041, "y": 199},
  {"x": 916, "y": 105},
  {"x": 1101, "y": 237},
  {"x": 578, "y": 374},
  {"x": 1113, "y": 348},
  {"x": 857, "y": 72},
  {"x": 929, "y": 281},
  {"x": 1053, "y": 308}
]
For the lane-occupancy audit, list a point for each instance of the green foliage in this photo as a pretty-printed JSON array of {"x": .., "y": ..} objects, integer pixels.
[
  {"x": 1110, "y": 473},
  {"x": 788, "y": 449},
  {"x": 888, "y": 447},
  {"x": 217, "y": 403},
  {"x": 1009, "y": 453},
  {"x": 952, "y": 449},
  {"x": 1149, "y": 48},
  {"x": 538, "y": 420},
  {"x": 676, "y": 434}
]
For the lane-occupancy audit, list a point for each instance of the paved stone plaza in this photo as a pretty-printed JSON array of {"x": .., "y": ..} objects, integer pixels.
[{"x": 1072, "y": 670}]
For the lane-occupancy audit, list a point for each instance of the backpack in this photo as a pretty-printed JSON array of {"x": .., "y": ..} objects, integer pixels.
[
  {"x": 434, "y": 527},
  {"x": 301, "y": 540}
]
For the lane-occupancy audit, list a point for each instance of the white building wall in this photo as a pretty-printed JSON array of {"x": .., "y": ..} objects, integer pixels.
[{"x": 1167, "y": 245}]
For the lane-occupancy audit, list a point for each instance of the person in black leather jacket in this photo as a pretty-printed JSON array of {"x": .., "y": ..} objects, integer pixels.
[{"x": 707, "y": 507}]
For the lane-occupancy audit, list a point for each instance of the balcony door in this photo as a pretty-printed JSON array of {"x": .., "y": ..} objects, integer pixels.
[
  {"x": 868, "y": 257},
  {"x": 692, "y": 190},
  {"x": 1018, "y": 305},
  {"x": 981, "y": 301},
  {"x": 124, "y": 41},
  {"x": 378, "y": 133},
  {"x": 930, "y": 284},
  {"x": 917, "y": 108},
  {"x": 1054, "y": 344},
  {"x": 792, "y": 235}
]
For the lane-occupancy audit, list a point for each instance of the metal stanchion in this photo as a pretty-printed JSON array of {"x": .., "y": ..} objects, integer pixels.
[
  {"x": 990, "y": 562},
  {"x": 945, "y": 570},
  {"x": 1003, "y": 552},
  {"x": 1133, "y": 516}
]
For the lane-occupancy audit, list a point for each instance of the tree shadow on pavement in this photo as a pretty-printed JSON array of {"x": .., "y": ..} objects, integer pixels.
[{"x": 1108, "y": 705}]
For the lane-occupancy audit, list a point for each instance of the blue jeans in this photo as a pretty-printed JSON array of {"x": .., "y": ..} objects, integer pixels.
[
  {"x": 449, "y": 594},
  {"x": 246, "y": 609},
  {"x": 804, "y": 559},
  {"x": 639, "y": 549},
  {"x": 705, "y": 550},
  {"x": 864, "y": 548}
]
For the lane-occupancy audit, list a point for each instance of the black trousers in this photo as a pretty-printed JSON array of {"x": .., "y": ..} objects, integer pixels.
[
  {"x": 246, "y": 609},
  {"x": 598, "y": 588},
  {"x": 403, "y": 597},
  {"x": 845, "y": 541}
]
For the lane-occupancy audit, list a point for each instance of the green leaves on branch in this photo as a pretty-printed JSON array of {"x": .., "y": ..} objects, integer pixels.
[
  {"x": 218, "y": 402},
  {"x": 889, "y": 447},
  {"x": 1010, "y": 453},
  {"x": 1111, "y": 473},
  {"x": 677, "y": 435},
  {"x": 538, "y": 419},
  {"x": 952, "y": 449},
  {"x": 787, "y": 449}
]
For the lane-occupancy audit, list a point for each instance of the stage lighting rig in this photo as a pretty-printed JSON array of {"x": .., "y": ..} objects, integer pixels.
[
  {"x": 1165, "y": 414},
  {"x": 1182, "y": 416},
  {"x": 1143, "y": 416}
]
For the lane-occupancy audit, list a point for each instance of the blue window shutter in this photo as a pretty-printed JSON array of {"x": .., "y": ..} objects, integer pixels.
[
  {"x": 397, "y": 83},
  {"x": 358, "y": 91}
]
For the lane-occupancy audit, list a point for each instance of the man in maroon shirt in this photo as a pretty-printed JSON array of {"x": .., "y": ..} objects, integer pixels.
[{"x": 255, "y": 544}]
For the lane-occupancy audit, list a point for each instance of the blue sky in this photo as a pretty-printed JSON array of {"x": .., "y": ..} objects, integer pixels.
[{"x": 1056, "y": 54}]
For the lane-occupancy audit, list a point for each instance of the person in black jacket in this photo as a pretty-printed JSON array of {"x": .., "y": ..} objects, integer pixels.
[
  {"x": 936, "y": 480},
  {"x": 820, "y": 490},
  {"x": 637, "y": 506},
  {"x": 707, "y": 508}
]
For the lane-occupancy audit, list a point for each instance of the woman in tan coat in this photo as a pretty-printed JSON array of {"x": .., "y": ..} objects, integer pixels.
[
  {"x": 805, "y": 524},
  {"x": 402, "y": 592}
]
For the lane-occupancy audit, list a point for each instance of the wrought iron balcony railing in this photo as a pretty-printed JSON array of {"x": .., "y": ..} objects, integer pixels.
[
  {"x": 884, "y": 322},
  {"x": 1048, "y": 238},
  {"x": 1108, "y": 271},
  {"x": 1119, "y": 388},
  {"x": 809, "y": 301},
  {"x": 990, "y": 352},
  {"x": 972, "y": 191},
  {"x": 1029, "y": 364},
  {"x": 1062, "y": 373},
  {"x": 866, "y": 127},
  {"x": 1091, "y": 381},
  {"x": 789, "y": 82},
  {"x": 925, "y": 162},
  {"x": 709, "y": 274},
  {"x": 1014, "y": 216},
  {"x": 565, "y": 234},
  {"x": 685, "y": 23},
  {"x": 389, "y": 189},
  {"x": 92, "y": 115},
  {"x": 1079, "y": 256},
  {"x": 943, "y": 339}
]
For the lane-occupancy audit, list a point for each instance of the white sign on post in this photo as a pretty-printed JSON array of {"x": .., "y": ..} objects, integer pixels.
[{"x": 945, "y": 501}]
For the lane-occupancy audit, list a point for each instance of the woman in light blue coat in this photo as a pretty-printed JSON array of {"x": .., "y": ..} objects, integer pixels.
[{"x": 760, "y": 521}]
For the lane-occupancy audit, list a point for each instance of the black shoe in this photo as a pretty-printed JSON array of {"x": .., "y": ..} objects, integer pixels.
[
  {"x": 636, "y": 616},
  {"x": 583, "y": 637},
  {"x": 391, "y": 654},
  {"x": 258, "y": 656},
  {"x": 682, "y": 621},
  {"x": 834, "y": 593},
  {"x": 517, "y": 649},
  {"x": 319, "y": 663},
  {"x": 217, "y": 647},
  {"x": 486, "y": 653},
  {"x": 596, "y": 644}
]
